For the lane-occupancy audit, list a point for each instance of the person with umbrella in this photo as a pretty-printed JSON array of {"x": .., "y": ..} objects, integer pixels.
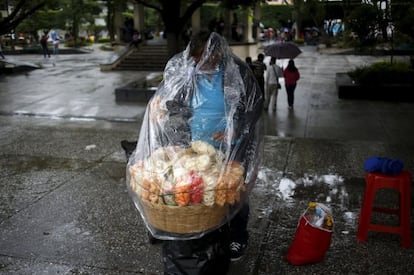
[
  {"x": 286, "y": 50},
  {"x": 291, "y": 75},
  {"x": 272, "y": 84}
]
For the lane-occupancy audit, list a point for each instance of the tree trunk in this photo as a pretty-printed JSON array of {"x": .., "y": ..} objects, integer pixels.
[
  {"x": 173, "y": 42},
  {"x": 110, "y": 20}
]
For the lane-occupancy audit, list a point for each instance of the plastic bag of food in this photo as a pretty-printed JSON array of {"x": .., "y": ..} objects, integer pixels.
[
  {"x": 313, "y": 235},
  {"x": 199, "y": 146}
]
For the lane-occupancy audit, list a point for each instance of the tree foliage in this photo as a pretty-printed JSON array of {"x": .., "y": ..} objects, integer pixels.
[
  {"x": 276, "y": 16},
  {"x": 403, "y": 17},
  {"x": 29, "y": 16},
  {"x": 362, "y": 21},
  {"x": 177, "y": 13},
  {"x": 21, "y": 9},
  {"x": 78, "y": 12},
  {"x": 373, "y": 20},
  {"x": 45, "y": 18}
]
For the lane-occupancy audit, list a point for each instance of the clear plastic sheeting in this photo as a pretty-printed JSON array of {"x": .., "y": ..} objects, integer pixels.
[{"x": 199, "y": 146}]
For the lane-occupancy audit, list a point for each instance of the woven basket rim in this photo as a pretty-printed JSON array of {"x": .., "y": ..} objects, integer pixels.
[{"x": 184, "y": 219}]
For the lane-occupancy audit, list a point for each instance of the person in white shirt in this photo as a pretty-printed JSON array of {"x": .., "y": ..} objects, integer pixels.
[{"x": 272, "y": 85}]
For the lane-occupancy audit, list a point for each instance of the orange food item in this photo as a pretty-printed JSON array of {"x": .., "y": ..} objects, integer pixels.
[
  {"x": 221, "y": 192},
  {"x": 230, "y": 184},
  {"x": 150, "y": 190},
  {"x": 182, "y": 194}
]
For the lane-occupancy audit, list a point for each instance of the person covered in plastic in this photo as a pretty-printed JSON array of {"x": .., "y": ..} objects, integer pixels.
[{"x": 208, "y": 95}]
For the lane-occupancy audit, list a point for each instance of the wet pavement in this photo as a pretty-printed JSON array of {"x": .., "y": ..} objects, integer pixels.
[{"x": 64, "y": 208}]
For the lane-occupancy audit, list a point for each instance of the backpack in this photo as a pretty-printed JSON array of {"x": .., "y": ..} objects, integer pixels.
[{"x": 258, "y": 69}]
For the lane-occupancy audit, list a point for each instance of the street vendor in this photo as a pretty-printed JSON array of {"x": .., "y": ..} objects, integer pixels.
[{"x": 208, "y": 96}]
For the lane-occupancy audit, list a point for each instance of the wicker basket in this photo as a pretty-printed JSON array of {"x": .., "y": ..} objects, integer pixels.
[{"x": 184, "y": 220}]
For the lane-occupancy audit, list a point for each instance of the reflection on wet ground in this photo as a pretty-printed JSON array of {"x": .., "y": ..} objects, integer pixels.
[{"x": 330, "y": 189}]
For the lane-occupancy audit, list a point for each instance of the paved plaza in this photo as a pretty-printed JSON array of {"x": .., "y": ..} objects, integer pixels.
[{"x": 65, "y": 208}]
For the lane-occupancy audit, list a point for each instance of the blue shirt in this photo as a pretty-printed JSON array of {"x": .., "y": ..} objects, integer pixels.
[{"x": 208, "y": 108}]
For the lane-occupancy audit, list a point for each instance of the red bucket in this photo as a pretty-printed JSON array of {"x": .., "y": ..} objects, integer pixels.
[{"x": 310, "y": 243}]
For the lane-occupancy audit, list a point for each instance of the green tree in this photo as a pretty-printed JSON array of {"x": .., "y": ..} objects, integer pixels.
[
  {"x": 113, "y": 7},
  {"x": 44, "y": 19},
  {"x": 77, "y": 13},
  {"x": 315, "y": 11},
  {"x": 402, "y": 13},
  {"x": 275, "y": 16},
  {"x": 176, "y": 14},
  {"x": 362, "y": 21},
  {"x": 298, "y": 12},
  {"x": 32, "y": 15},
  {"x": 21, "y": 9}
]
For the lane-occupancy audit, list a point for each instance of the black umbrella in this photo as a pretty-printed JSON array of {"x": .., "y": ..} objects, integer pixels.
[{"x": 282, "y": 50}]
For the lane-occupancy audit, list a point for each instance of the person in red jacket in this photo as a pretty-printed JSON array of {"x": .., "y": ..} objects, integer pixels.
[{"x": 291, "y": 75}]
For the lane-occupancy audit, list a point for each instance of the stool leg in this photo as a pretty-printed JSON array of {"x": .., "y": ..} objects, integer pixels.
[
  {"x": 365, "y": 213},
  {"x": 405, "y": 212}
]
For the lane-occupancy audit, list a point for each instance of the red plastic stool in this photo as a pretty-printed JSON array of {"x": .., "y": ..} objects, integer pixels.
[{"x": 374, "y": 182}]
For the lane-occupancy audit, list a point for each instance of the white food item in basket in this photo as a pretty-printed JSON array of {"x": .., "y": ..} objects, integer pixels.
[
  {"x": 136, "y": 172},
  {"x": 157, "y": 166},
  {"x": 210, "y": 181},
  {"x": 188, "y": 162},
  {"x": 172, "y": 153},
  {"x": 203, "y": 162},
  {"x": 166, "y": 176},
  {"x": 195, "y": 162},
  {"x": 179, "y": 172},
  {"x": 136, "y": 177},
  {"x": 201, "y": 147},
  {"x": 136, "y": 187},
  {"x": 167, "y": 153},
  {"x": 159, "y": 154},
  {"x": 219, "y": 158}
]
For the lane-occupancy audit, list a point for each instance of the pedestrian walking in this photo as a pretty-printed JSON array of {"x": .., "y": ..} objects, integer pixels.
[
  {"x": 136, "y": 39},
  {"x": 56, "y": 46},
  {"x": 259, "y": 69},
  {"x": 43, "y": 44},
  {"x": 291, "y": 75},
  {"x": 1, "y": 49},
  {"x": 55, "y": 41},
  {"x": 249, "y": 62},
  {"x": 272, "y": 85}
]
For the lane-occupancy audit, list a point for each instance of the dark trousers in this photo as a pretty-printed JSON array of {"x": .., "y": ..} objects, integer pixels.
[
  {"x": 45, "y": 51},
  {"x": 290, "y": 90},
  {"x": 238, "y": 225},
  {"x": 204, "y": 256},
  {"x": 208, "y": 254},
  {"x": 261, "y": 82}
]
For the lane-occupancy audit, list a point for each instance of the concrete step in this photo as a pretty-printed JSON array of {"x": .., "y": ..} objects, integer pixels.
[{"x": 145, "y": 58}]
